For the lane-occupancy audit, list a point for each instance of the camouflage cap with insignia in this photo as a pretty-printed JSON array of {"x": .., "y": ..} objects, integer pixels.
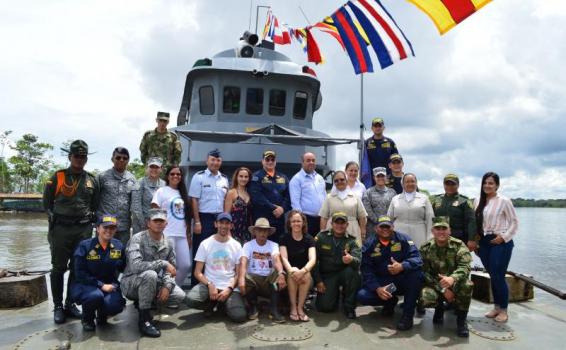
[
  {"x": 452, "y": 178},
  {"x": 77, "y": 147},
  {"x": 339, "y": 215},
  {"x": 384, "y": 220},
  {"x": 441, "y": 221},
  {"x": 163, "y": 116},
  {"x": 155, "y": 161},
  {"x": 157, "y": 214},
  {"x": 379, "y": 170},
  {"x": 395, "y": 156},
  {"x": 379, "y": 121}
]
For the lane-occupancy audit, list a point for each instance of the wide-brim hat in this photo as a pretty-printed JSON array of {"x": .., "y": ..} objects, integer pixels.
[
  {"x": 78, "y": 147},
  {"x": 261, "y": 223}
]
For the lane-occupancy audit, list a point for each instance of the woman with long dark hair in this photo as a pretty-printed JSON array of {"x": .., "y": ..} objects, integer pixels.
[
  {"x": 175, "y": 199},
  {"x": 238, "y": 204},
  {"x": 497, "y": 224}
]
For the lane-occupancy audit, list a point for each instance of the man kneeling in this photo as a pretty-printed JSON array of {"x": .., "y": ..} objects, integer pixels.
[
  {"x": 447, "y": 271},
  {"x": 219, "y": 255},
  {"x": 391, "y": 266},
  {"x": 150, "y": 271},
  {"x": 261, "y": 271}
]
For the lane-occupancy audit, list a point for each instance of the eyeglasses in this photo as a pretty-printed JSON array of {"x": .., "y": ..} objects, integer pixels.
[
  {"x": 339, "y": 180},
  {"x": 174, "y": 174},
  {"x": 121, "y": 158},
  {"x": 270, "y": 159}
]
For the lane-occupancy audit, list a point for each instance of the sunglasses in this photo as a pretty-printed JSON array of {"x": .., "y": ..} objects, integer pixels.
[
  {"x": 339, "y": 180},
  {"x": 120, "y": 158},
  {"x": 174, "y": 174},
  {"x": 270, "y": 159}
]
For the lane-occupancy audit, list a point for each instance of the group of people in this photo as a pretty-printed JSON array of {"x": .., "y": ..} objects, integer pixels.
[{"x": 353, "y": 245}]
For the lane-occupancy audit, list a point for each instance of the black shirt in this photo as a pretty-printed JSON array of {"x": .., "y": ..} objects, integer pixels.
[{"x": 297, "y": 251}]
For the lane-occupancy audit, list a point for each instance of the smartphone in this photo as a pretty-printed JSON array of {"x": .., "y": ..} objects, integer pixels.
[{"x": 391, "y": 288}]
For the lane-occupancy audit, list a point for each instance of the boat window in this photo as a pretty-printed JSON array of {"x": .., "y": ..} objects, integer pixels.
[
  {"x": 277, "y": 102},
  {"x": 300, "y": 107},
  {"x": 231, "y": 103},
  {"x": 254, "y": 101},
  {"x": 206, "y": 96}
]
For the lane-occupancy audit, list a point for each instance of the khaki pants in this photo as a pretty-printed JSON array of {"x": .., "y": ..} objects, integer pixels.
[{"x": 261, "y": 285}]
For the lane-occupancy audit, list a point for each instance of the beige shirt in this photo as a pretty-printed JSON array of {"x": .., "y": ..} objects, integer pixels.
[
  {"x": 412, "y": 217},
  {"x": 353, "y": 207}
]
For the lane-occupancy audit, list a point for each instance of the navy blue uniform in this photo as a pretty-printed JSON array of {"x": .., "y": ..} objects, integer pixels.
[
  {"x": 376, "y": 257},
  {"x": 379, "y": 151},
  {"x": 266, "y": 192},
  {"x": 95, "y": 267}
]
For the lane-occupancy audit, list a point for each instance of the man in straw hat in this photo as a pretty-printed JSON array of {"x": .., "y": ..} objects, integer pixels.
[{"x": 261, "y": 270}]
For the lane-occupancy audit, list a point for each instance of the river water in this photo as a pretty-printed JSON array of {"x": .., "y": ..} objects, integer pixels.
[{"x": 540, "y": 245}]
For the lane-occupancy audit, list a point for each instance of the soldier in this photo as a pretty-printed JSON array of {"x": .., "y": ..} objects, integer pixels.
[
  {"x": 98, "y": 261},
  {"x": 70, "y": 199},
  {"x": 379, "y": 148},
  {"x": 141, "y": 199},
  {"x": 269, "y": 193},
  {"x": 376, "y": 199},
  {"x": 395, "y": 178},
  {"x": 459, "y": 210},
  {"x": 161, "y": 143},
  {"x": 391, "y": 266},
  {"x": 447, "y": 272},
  {"x": 207, "y": 191},
  {"x": 150, "y": 271},
  {"x": 337, "y": 266},
  {"x": 116, "y": 187}
]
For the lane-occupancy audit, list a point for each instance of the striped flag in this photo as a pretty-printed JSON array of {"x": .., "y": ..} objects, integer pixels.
[
  {"x": 446, "y": 14},
  {"x": 355, "y": 44},
  {"x": 281, "y": 34},
  {"x": 387, "y": 39},
  {"x": 269, "y": 27},
  {"x": 328, "y": 28}
]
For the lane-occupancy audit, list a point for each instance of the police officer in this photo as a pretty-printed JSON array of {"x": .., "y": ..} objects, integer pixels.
[
  {"x": 459, "y": 210},
  {"x": 269, "y": 193},
  {"x": 161, "y": 143},
  {"x": 207, "y": 191},
  {"x": 391, "y": 266},
  {"x": 395, "y": 175},
  {"x": 338, "y": 261},
  {"x": 117, "y": 185},
  {"x": 379, "y": 148},
  {"x": 70, "y": 199},
  {"x": 98, "y": 261},
  {"x": 447, "y": 272},
  {"x": 150, "y": 271}
]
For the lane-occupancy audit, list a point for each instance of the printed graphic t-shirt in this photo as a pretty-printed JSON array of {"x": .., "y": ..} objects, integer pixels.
[
  {"x": 170, "y": 199},
  {"x": 260, "y": 258},
  {"x": 220, "y": 260}
]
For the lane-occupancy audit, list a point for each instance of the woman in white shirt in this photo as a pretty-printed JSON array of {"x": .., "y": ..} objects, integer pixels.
[
  {"x": 497, "y": 224},
  {"x": 411, "y": 211},
  {"x": 175, "y": 199},
  {"x": 354, "y": 184}
]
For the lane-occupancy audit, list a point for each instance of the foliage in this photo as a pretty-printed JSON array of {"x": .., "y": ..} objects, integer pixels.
[
  {"x": 539, "y": 203},
  {"x": 29, "y": 162},
  {"x": 136, "y": 167},
  {"x": 6, "y": 185}
]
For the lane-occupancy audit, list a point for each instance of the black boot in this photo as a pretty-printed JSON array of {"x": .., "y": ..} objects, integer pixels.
[
  {"x": 274, "y": 314},
  {"x": 438, "y": 317},
  {"x": 56, "y": 282},
  {"x": 421, "y": 311},
  {"x": 71, "y": 310},
  {"x": 251, "y": 298},
  {"x": 405, "y": 323},
  {"x": 389, "y": 308},
  {"x": 461, "y": 324},
  {"x": 101, "y": 318},
  {"x": 59, "y": 314},
  {"x": 145, "y": 325},
  {"x": 88, "y": 325}
]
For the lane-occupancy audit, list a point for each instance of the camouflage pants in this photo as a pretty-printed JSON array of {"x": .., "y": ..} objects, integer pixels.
[
  {"x": 430, "y": 297},
  {"x": 144, "y": 288}
]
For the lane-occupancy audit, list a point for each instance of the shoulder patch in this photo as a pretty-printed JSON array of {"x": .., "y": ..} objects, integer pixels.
[{"x": 411, "y": 242}]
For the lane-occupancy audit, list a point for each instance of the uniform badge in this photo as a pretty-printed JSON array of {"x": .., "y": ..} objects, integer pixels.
[
  {"x": 326, "y": 246},
  {"x": 265, "y": 180},
  {"x": 371, "y": 145},
  {"x": 88, "y": 184},
  {"x": 376, "y": 252},
  {"x": 115, "y": 254},
  {"x": 455, "y": 204},
  {"x": 386, "y": 145},
  {"x": 92, "y": 255},
  {"x": 396, "y": 247},
  {"x": 280, "y": 180}
]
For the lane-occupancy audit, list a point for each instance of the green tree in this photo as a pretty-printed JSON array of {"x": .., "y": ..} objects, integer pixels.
[
  {"x": 5, "y": 178},
  {"x": 136, "y": 167},
  {"x": 30, "y": 161}
]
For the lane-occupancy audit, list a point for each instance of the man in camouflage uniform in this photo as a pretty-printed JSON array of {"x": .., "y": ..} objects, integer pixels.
[
  {"x": 459, "y": 210},
  {"x": 338, "y": 261},
  {"x": 141, "y": 199},
  {"x": 116, "y": 187},
  {"x": 161, "y": 143},
  {"x": 447, "y": 272},
  {"x": 70, "y": 198},
  {"x": 150, "y": 271}
]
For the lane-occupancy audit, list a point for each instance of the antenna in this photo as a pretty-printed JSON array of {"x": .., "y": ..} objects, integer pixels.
[{"x": 257, "y": 14}]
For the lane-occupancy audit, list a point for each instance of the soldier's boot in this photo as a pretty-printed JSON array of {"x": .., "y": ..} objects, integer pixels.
[
  {"x": 274, "y": 314},
  {"x": 87, "y": 321},
  {"x": 438, "y": 317},
  {"x": 71, "y": 310},
  {"x": 251, "y": 298},
  {"x": 389, "y": 308},
  {"x": 461, "y": 324},
  {"x": 101, "y": 318},
  {"x": 56, "y": 282},
  {"x": 145, "y": 325},
  {"x": 405, "y": 323}
]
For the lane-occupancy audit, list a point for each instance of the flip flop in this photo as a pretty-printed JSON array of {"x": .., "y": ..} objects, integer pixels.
[
  {"x": 294, "y": 317},
  {"x": 304, "y": 317}
]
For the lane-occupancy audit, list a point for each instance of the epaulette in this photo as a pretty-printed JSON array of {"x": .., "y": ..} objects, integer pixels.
[
  {"x": 223, "y": 175},
  {"x": 174, "y": 135},
  {"x": 200, "y": 172},
  {"x": 147, "y": 133}
]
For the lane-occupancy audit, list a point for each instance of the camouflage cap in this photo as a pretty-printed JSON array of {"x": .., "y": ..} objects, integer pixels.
[
  {"x": 379, "y": 170},
  {"x": 384, "y": 220},
  {"x": 269, "y": 153},
  {"x": 77, "y": 147},
  {"x": 452, "y": 178},
  {"x": 155, "y": 161},
  {"x": 157, "y": 214},
  {"x": 375, "y": 121},
  {"x": 395, "y": 156},
  {"x": 441, "y": 221},
  {"x": 163, "y": 116},
  {"x": 107, "y": 220},
  {"x": 339, "y": 215}
]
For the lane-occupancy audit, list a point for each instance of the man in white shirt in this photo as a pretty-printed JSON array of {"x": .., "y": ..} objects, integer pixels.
[
  {"x": 219, "y": 256},
  {"x": 308, "y": 191},
  {"x": 261, "y": 270}
]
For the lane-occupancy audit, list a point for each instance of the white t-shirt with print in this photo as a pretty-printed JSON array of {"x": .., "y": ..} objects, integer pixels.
[
  {"x": 260, "y": 257},
  {"x": 220, "y": 260},
  {"x": 170, "y": 199}
]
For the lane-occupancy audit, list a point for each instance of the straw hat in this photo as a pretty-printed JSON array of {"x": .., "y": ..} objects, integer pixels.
[{"x": 261, "y": 223}]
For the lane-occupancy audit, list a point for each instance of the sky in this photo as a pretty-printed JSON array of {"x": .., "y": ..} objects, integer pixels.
[{"x": 486, "y": 96}]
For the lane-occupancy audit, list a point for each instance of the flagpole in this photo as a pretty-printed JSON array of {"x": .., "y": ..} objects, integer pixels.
[
  {"x": 251, "y": 11},
  {"x": 257, "y": 15},
  {"x": 361, "y": 144}
]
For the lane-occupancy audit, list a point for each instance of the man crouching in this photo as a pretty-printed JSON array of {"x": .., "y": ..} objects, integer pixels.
[{"x": 150, "y": 271}]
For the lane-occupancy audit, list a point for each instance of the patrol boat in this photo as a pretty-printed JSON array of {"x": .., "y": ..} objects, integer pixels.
[{"x": 246, "y": 100}]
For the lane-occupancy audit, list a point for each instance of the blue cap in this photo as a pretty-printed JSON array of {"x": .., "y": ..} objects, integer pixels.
[
  {"x": 384, "y": 220},
  {"x": 214, "y": 153},
  {"x": 107, "y": 220},
  {"x": 224, "y": 216}
]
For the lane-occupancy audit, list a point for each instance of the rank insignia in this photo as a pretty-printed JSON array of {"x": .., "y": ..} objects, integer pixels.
[
  {"x": 386, "y": 145},
  {"x": 396, "y": 247},
  {"x": 280, "y": 180},
  {"x": 326, "y": 247},
  {"x": 455, "y": 204},
  {"x": 115, "y": 254}
]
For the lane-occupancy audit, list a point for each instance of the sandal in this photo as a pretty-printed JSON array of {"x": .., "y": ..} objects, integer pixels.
[
  {"x": 304, "y": 317},
  {"x": 294, "y": 317}
]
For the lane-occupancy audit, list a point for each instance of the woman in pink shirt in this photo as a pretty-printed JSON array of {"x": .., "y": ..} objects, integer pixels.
[{"x": 496, "y": 225}]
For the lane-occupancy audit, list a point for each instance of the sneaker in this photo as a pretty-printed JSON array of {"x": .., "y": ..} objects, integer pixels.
[
  {"x": 59, "y": 314},
  {"x": 173, "y": 306}
]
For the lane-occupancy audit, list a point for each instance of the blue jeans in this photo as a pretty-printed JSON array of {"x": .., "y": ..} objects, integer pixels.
[{"x": 495, "y": 258}]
